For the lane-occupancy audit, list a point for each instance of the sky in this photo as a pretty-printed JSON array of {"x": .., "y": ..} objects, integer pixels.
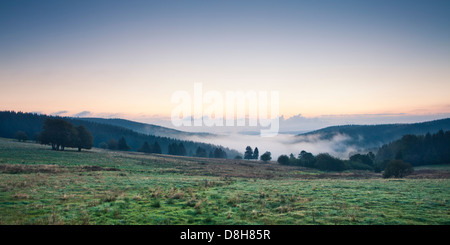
[{"x": 338, "y": 61}]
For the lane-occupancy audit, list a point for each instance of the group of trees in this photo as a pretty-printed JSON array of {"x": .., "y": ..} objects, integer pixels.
[
  {"x": 27, "y": 123},
  {"x": 218, "y": 153},
  {"x": 61, "y": 134},
  {"x": 150, "y": 148},
  {"x": 122, "y": 145},
  {"x": 177, "y": 149},
  {"x": 215, "y": 153},
  {"x": 418, "y": 149},
  {"x": 250, "y": 154},
  {"x": 180, "y": 150},
  {"x": 326, "y": 162},
  {"x": 201, "y": 152},
  {"x": 113, "y": 144},
  {"x": 21, "y": 136}
]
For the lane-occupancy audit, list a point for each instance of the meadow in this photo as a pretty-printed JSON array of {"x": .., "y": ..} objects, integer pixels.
[{"x": 102, "y": 187}]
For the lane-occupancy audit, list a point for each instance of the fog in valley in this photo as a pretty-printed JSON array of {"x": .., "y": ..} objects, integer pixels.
[{"x": 283, "y": 144}]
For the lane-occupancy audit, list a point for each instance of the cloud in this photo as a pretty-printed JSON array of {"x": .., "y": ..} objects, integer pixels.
[
  {"x": 300, "y": 123},
  {"x": 284, "y": 144},
  {"x": 111, "y": 115},
  {"x": 82, "y": 114},
  {"x": 58, "y": 113}
]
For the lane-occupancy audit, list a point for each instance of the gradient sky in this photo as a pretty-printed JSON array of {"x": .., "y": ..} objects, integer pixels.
[{"x": 128, "y": 57}]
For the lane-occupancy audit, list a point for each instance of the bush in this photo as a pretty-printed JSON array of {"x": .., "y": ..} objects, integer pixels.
[
  {"x": 397, "y": 169},
  {"x": 326, "y": 162},
  {"x": 266, "y": 156},
  {"x": 283, "y": 160},
  {"x": 306, "y": 159}
]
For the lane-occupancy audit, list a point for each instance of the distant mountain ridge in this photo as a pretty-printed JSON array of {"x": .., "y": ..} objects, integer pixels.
[
  {"x": 371, "y": 136},
  {"x": 145, "y": 128}
]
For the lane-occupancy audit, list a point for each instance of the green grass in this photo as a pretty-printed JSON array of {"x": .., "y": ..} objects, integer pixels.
[{"x": 40, "y": 186}]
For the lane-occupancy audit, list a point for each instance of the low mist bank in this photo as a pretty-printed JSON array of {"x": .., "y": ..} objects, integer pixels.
[{"x": 284, "y": 144}]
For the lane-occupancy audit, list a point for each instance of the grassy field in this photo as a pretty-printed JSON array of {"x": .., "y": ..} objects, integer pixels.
[{"x": 40, "y": 186}]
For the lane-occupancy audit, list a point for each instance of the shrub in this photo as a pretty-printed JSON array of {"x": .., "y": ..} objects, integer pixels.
[
  {"x": 283, "y": 160},
  {"x": 306, "y": 159},
  {"x": 266, "y": 156},
  {"x": 397, "y": 169},
  {"x": 326, "y": 162}
]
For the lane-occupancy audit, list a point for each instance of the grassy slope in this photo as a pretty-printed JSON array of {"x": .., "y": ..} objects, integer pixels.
[{"x": 40, "y": 186}]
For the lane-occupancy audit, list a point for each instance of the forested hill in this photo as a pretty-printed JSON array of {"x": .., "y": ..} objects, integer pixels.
[
  {"x": 145, "y": 128},
  {"x": 418, "y": 149},
  {"x": 370, "y": 136},
  {"x": 12, "y": 122}
]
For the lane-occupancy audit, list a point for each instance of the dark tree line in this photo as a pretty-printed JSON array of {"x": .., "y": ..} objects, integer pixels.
[
  {"x": 201, "y": 152},
  {"x": 219, "y": 153},
  {"x": 326, "y": 162},
  {"x": 151, "y": 148},
  {"x": 418, "y": 149},
  {"x": 113, "y": 144},
  {"x": 177, "y": 149},
  {"x": 61, "y": 134},
  {"x": 12, "y": 122},
  {"x": 216, "y": 152}
]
